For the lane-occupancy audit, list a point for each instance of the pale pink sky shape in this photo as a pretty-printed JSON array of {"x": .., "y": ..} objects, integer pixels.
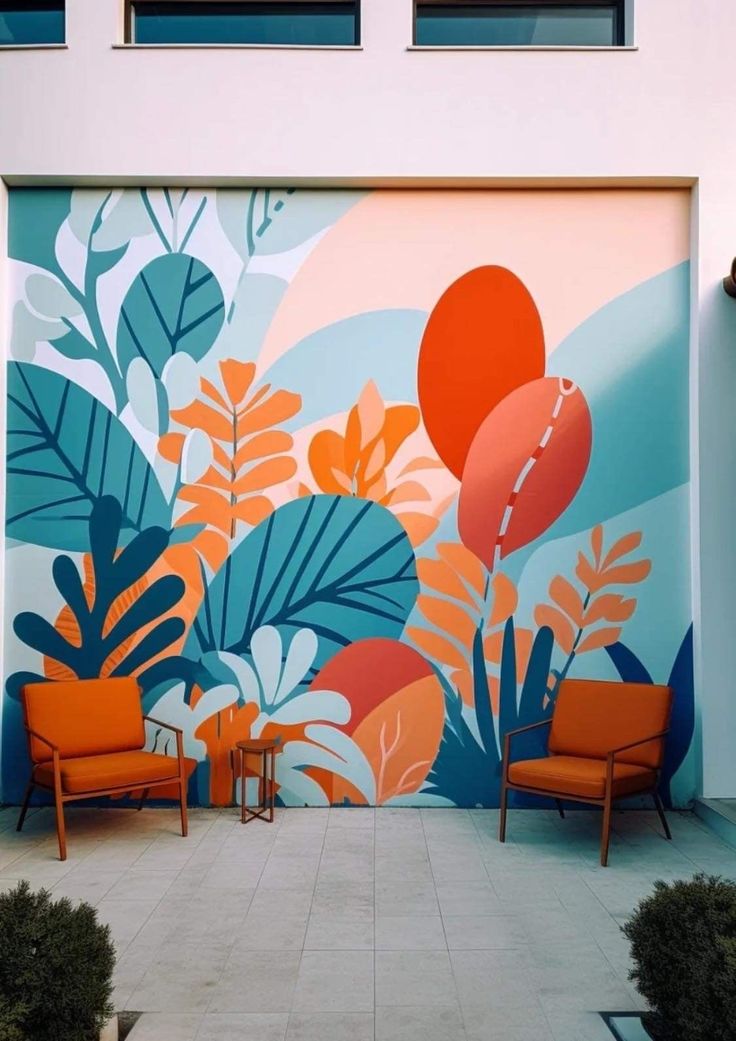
[{"x": 574, "y": 249}]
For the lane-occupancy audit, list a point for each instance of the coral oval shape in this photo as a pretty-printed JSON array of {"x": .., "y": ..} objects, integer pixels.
[
  {"x": 483, "y": 339},
  {"x": 525, "y": 465},
  {"x": 368, "y": 672}
]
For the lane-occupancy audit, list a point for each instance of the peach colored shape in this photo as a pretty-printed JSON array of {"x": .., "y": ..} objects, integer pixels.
[{"x": 575, "y": 250}]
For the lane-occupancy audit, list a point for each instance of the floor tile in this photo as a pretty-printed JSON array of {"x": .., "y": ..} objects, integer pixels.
[
  {"x": 290, "y": 902},
  {"x": 500, "y": 1024},
  {"x": 484, "y": 932},
  {"x": 336, "y": 932},
  {"x": 418, "y": 978},
  {"x": 330, "y": 1026},
  {"x": 265, "y": 983},
  {"x": 182, "y": 979},
  {"x": 406, "y": 898},
  {"x": 271, "y": 932},
  {"x": 493, "y": 979},
  {"x": 410, "y": 933},
  {"x": 248, "y": 1026},
  {"x": 468, "y": 898},
  {"x": 397, "y": 1023},
  {"x": 335, "y": 981},
  {"x": 166, "y": 1026}
]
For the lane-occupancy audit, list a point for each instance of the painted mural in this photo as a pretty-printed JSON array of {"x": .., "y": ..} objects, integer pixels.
[{"x": 372, "y": 471}]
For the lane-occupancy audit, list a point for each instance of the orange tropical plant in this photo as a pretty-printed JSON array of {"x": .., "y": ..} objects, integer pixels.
[
  {"x": 461, "y": 599},
  {"x": 590, "y": 616},
  {"x": 400, "y": 738},
  {"x": 357, "y": 463},
  {"x": 248, "y": 455}
]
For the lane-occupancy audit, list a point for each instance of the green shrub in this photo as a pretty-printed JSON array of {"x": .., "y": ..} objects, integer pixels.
[
  {"x": 683, "y": 943},
  {"x": 56, "y": 964}
]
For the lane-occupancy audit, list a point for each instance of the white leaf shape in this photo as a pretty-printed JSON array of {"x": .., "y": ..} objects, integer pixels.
[
  {"x": 27, "y": 330},
  {"x": 302, "y": 652},
  {"x": 103, "y": 220},
  {"x": 266, "y": 648},
  {"x": 180, "y": 376},
  {"x": 140, "y": 383},
  {"x": 298, "y": 789},
  {"x": 172, "y": 708},
  {"x": 243, "y": 674},
  {"x": 323, "y": 705},
  {"x": 49, "y": 298},
  {"x": 196, "y": 456}
]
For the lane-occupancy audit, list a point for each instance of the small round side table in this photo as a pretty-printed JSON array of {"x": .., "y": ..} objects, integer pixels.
[{"x": 266, "y": 748}]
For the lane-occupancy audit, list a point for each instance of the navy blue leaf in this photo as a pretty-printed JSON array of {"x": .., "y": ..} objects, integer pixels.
[{"x": 628, "y": 666}]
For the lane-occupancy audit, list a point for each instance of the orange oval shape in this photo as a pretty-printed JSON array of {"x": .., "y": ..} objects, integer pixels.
[
  {"x": 525, "y": 465},
  {"x": 483, "y": 339}
]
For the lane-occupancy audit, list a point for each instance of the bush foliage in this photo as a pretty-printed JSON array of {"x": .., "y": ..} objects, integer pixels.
[
  {"x": 683, "y": 943},
  {"x": 56, "y": 964}
]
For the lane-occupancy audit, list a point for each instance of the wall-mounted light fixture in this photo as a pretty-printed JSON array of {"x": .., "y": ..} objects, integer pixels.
[{"x": 729, "y": 282}]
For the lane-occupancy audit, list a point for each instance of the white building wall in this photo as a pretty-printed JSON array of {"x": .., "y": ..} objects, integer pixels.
[{"x": 658, "y": 113}]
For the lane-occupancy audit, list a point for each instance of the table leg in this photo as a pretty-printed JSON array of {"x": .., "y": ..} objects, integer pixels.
[
  {"x": 273, "y": 783},
  {"x": 242, "y": 786}
]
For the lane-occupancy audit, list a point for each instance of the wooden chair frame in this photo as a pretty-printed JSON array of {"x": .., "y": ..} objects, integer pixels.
[
  {"x": 61, "y": 797},
  {"x": 606, "y": 802}
]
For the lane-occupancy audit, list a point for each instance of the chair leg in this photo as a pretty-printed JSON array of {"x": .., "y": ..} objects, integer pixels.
[
  {"x": 183, "y": 806},
  {"x": 60, "y": 825},
  {"x": 660, "y": 810},
  {"x": 606, "y": 835},
  {"x": 26, "y": 804},
  {"x": 143, "y": 798},
  {"x": 502, "y": 818},
  {"x": 560, "y": 808}
]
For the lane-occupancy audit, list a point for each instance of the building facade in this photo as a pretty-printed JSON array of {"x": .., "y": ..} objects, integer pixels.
[{"x": 363, "y": 391}]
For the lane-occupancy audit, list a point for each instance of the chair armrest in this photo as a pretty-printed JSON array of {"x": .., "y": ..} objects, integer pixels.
[
  {"x": 166, "y": 726},
  {"x": 512, "y": 733},
  {"x": 179, "y": 737},
  {"x": 635, "y": 744},
  {"x": 531, "y": 726}
]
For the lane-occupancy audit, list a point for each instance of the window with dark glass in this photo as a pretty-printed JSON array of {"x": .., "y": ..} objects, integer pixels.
[
  {"x": 36, "y": 21},
  {"x": 519, "y": 23},
  {"x": 322, "y": 23}
]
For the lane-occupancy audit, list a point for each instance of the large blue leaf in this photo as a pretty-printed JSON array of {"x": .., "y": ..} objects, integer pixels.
[
  {"x": 174, "y": 304},
  {"x": 340, "y": 566},
  {"x": 65, "y": 451}
]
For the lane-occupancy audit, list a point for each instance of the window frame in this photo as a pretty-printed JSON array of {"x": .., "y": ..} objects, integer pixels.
[
  {"x": 619, "y": 6},
  {"x": 42, "y": 44},
  {"x": 129, "y": 26}
]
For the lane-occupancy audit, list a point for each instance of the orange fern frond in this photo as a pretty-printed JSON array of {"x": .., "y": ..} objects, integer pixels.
[{"x": 248, "y": 455}]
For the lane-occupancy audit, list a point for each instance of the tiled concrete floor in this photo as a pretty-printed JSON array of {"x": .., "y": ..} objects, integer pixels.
[{"x": 350, "y": 925}]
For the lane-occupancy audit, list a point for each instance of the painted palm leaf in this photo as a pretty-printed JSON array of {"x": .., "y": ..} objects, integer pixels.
[
  {"x": 339, "y": 566},
  {"x": 65, "y": 451}
]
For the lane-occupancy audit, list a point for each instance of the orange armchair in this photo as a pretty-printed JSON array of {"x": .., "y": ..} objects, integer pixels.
[
  {"x": 606, "y": 741},
  {"x": 86, "y": 739}
]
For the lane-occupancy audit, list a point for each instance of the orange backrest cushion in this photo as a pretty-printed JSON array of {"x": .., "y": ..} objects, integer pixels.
[
  {"x": 592, "y": 717},
  {"x": 84, "y": 717}
]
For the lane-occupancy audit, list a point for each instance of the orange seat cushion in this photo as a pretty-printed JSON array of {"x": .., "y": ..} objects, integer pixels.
[
  {"x": 116, "y": 770},
  {"x": 586, "y": 778}
]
